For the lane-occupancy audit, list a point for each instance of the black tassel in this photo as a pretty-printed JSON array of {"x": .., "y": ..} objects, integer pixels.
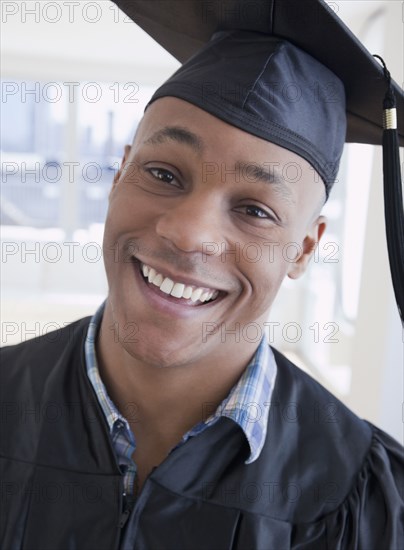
[{"x": 393, "y": 195}]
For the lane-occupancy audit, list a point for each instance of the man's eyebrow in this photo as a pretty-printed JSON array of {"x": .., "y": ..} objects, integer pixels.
[
  {"x": 178, "y": 134},
  {"x": 266, "y": 173}
]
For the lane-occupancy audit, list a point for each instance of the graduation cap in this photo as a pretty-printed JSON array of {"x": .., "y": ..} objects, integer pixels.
[{"x": 290, "y": 72}]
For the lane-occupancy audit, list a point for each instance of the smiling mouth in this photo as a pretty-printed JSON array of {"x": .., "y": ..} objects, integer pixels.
[{"x": 177, "y": 291}]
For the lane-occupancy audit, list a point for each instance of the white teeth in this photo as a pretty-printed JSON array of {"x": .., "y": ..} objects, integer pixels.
[
  {"x": 196, "y": 294},
  {"x": 209, "y": 295},
  {"x": 152, "y": 274},
  {"x": 178, "y": 290},
  {"x": 215, "y": 294},
  {"x": 167, "y": 285},
  {"x": 204, "y": 296},
  {"x": 187, "y": 292},
  {"x": 158, "y": 279}
]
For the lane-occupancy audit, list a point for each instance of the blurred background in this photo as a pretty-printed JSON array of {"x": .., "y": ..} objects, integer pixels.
[{"x": 74, "y": 83}]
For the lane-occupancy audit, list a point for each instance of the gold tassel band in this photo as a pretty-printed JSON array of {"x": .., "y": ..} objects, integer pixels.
[{"x": 390, "y": 119}]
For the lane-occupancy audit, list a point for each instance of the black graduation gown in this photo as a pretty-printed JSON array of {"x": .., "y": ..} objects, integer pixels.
[{"x": 324, "y": 480}]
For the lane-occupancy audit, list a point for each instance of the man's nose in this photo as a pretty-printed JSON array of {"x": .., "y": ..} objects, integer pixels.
[{"x": 194, "y": 223}]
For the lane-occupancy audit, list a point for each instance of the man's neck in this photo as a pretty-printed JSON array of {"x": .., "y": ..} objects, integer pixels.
[{"x": 167, "y": 401}]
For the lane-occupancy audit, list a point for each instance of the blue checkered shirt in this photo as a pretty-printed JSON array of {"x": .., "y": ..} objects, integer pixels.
[{"x": 247, "y": 404}]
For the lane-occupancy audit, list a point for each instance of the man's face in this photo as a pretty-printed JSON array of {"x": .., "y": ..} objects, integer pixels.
[{"x": 222, "y": 213}]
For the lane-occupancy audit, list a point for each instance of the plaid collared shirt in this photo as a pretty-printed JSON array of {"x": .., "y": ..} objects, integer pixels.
[{"x": 247, "y": 404}]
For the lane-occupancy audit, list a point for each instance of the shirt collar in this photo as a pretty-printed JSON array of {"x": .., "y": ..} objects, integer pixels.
[
  {"x": 247, "y": 404},
  {"x": 249, "y": 401},
  {"x": 108, "y": 407}
]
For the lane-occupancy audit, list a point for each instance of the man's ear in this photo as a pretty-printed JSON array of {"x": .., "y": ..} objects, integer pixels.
[
  {"x": 309, "y": 244},
  {"x": 125, "y": 157}
]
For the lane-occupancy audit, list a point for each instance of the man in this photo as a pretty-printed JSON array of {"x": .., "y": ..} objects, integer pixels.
[{"x": 155, "y": 447}]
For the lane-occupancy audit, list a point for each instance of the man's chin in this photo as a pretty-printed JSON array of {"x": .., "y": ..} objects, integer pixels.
[{"x": 163, "y": 353}]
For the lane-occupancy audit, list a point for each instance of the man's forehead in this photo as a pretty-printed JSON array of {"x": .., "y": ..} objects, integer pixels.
[
  {"x": 176, "y": 134},
  {"x": 172, "y": 120}
]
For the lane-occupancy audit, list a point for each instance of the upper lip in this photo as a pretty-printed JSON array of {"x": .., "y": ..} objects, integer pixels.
[{"x": 179, "y": 278}]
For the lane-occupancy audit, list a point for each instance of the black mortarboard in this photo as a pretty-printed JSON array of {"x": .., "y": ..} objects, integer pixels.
[{"x": 289, "y": 72}]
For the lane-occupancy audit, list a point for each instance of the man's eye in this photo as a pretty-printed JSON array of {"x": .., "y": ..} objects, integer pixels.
[
  {"x": 256, "y": 212},
  {"x": 163, "y": 175}
]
